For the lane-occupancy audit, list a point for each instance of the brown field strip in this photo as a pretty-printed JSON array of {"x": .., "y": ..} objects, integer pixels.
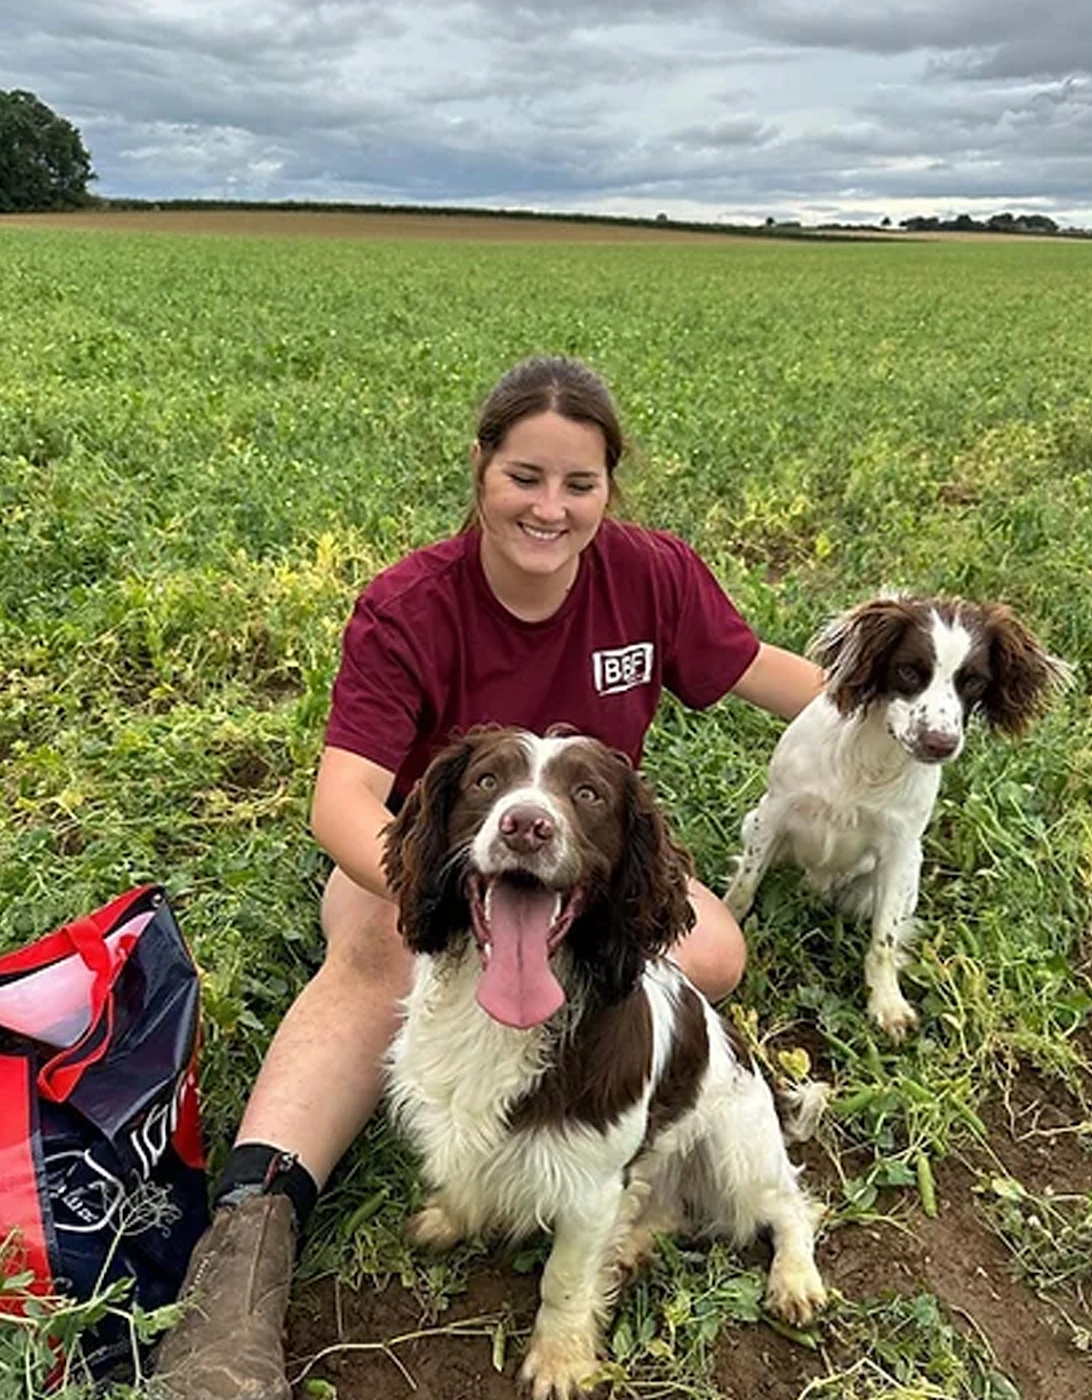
[{"x": 280, "y": 223}]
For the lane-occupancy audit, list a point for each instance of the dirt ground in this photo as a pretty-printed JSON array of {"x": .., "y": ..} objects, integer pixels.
[
  {"x": 286, "y": 223},
  {"x": 956, "y": 1256},
  {"x": 452, "y": 227}
]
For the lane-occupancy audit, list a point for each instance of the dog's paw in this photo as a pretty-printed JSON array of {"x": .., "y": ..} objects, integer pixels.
[
  {"x": 794, "y": 1290},
  {"x": 740, "y": 896},
  {"x": 434, "y": 1227},
  {"x": 894, "y": 1015},
  {"x": 634, "y": 1251},
  {"x": 800, "y": 1108},
  {"x": 558, "y": 1366}
]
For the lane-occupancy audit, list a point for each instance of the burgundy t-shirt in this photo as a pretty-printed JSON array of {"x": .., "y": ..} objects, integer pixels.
[{"x": 430, "y": 651}]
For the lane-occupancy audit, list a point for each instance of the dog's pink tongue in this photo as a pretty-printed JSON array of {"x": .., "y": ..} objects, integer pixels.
[{"x": 517, "y": 987}]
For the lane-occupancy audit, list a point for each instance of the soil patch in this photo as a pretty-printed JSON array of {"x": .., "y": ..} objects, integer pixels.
[
  {"x": 449, "y": 1359},
  {"x": 279, "y": 223}
]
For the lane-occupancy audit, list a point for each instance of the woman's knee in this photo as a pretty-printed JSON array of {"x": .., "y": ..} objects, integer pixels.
[
  {"x": 714, "y": 953},
  {"x": 361, "y": 932}
]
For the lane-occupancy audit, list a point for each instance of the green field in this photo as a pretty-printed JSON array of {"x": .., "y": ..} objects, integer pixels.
[{"x": 207, "y": 447}]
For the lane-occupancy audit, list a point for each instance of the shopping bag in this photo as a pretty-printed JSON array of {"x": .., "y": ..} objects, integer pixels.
[{"x": 101, "y": 1161}]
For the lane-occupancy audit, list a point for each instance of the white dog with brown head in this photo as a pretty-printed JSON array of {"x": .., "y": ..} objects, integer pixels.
[{"x": 854, "y": 779}]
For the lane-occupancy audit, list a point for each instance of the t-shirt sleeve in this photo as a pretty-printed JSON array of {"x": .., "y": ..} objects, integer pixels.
[
  {"x": 378, "y": 700},
  {"x": 712, "y": 646}
]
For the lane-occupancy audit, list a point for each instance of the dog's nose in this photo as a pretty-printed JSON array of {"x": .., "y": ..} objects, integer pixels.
[
  {"x": 525, "y": 828},
  {"x": 938, "y": 744}
]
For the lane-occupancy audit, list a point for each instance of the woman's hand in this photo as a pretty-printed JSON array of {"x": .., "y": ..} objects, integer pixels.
[{"x": 348, "y": 815}]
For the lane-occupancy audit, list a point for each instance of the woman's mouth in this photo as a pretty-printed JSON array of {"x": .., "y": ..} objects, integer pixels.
[{"x": 536, "y": 532}]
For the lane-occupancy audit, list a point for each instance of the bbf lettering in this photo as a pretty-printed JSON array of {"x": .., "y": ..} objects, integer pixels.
[{"x": 622, "y": 668}]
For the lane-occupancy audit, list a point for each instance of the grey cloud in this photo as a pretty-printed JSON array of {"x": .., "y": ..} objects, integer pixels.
[
  {"x": 1031, "y": 121},
  {"x": 293, "y": 29},
  {"x": 729, "y": 132},
  {"x": 1058, "y": 29},
  {"x": 1054, "y": 54},
  {"x": 1055, "y": 26}
]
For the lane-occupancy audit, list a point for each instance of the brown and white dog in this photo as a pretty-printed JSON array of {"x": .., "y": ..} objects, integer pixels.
[
  {"x": 854, "y": 778},
  {"x": 554, "y": 1067}
]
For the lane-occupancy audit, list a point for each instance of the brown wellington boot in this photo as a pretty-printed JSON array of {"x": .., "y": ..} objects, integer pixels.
[{"x": 229, "y": 1343}]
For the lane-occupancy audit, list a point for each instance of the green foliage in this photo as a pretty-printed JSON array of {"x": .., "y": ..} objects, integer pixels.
[
  {"x": 905, "y": 1348},
  {"x": 1049, "y": 1233},
  {"x": 42, "y": 1337},
  {"x": 207, "y": 447},
  {"x": 43, "y": 163}
]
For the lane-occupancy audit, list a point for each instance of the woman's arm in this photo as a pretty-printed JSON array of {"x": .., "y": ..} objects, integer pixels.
[
  {"x": 779, "y": 681},
  {"x": 348, "y": 815}
]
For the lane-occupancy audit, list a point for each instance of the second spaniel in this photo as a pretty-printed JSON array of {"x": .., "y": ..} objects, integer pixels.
[{"x": 854, "y": 778}]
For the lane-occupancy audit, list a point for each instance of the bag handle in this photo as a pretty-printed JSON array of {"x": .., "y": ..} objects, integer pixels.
[
  {"x": 92, "y": 928},
  {"x": 87, "y": 937}
]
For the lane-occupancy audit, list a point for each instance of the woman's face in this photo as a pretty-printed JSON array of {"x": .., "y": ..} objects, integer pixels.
[{"x": 543, "y": 496}]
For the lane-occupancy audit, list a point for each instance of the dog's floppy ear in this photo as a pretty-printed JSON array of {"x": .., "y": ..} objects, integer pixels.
[
  {"x": 1023, "y": 675},
  {"x": 417, "y": 862},
  {"x": 853, "y": 649},
  {"x": 646, "y": 907}
]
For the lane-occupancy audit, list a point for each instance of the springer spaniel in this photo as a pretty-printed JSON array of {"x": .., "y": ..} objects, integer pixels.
[
  {"x": 554, "y": 1067},
  {"x": 854, "y": 778}
]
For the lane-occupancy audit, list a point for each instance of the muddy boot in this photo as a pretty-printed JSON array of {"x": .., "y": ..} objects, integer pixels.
[{"x": 229, "y": 1344}]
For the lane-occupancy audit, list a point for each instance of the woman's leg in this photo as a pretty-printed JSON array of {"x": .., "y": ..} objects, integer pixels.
[
  {"x": 322, "y": 1075},
  {"x": 713, "y": 954}
]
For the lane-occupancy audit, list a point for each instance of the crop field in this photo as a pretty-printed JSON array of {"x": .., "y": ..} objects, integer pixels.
[{"x": 208, "y": 445}]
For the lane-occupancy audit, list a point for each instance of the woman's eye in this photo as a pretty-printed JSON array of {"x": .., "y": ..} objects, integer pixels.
[
  {"x": 485, "y": 782},
  {"x": 521, "y": 480},
  {"x": 581, "y": 488}
]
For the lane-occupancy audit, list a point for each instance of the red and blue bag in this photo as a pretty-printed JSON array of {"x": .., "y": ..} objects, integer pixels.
[{"x": 101, "y": 1161}]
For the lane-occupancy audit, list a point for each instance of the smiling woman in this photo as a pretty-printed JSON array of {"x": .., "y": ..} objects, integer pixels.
[{"x": 542, "y": 610}]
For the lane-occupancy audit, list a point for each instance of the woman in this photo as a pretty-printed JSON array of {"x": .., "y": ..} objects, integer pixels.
[{"x": 543, "y": 609}]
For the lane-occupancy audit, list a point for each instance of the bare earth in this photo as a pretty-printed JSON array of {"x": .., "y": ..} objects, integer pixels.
[
  {"x": 278, "y": 223},
  {"x": 453, "y": 227},
  {"x": 955, "y": 1256}
]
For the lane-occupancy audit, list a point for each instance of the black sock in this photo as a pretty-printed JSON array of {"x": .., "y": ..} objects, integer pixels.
[{"x": 255, "y": 1168}]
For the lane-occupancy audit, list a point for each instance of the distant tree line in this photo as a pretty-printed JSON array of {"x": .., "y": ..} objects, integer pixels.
[
  {"x": 996, "y": 223},
  {"x": 43, "y": 162}
]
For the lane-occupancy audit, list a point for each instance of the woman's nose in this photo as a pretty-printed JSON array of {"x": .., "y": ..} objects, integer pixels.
[{"x": 549, "y": 503}]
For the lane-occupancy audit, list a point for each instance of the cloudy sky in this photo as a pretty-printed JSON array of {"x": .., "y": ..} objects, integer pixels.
[{"x": 710, "y": 109}]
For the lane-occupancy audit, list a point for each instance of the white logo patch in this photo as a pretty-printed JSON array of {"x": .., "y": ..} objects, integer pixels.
[{"x": 622, "y": 668}]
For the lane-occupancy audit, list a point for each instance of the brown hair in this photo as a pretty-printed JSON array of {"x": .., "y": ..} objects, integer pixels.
[{"x": 545, "y": 384}]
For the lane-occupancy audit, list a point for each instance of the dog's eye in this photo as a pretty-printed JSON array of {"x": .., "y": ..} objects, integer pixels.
[
  {"x": 907, "y": 678},
  {"x": 586, "y": 793},
  {"x": 973, "y": 687},
  {"x": 485, "y": 782}
]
